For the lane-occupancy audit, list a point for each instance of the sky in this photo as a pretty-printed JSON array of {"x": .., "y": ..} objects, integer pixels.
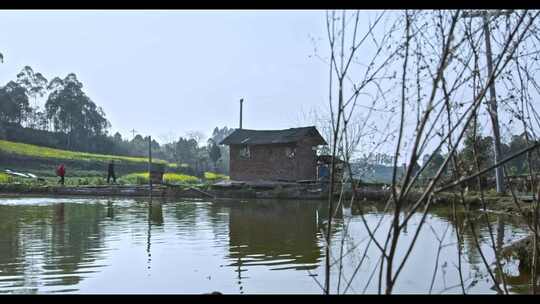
[{"x": 164, "y": 73}]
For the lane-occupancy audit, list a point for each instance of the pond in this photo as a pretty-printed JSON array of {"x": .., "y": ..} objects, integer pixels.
[{"x": 89, "y": 245}]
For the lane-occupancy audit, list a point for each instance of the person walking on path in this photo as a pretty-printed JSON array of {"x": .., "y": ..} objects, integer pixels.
[
  {"x": 110, "y": 172},
  {"x": 61, "y": 172}
]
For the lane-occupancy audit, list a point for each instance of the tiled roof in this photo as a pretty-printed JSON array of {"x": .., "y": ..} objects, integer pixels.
[{"x": 264, "y": 137}]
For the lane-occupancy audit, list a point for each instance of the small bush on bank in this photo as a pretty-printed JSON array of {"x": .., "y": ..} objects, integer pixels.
[
  {"x": 175, "y": 178},
  {"x": 211, "y": 176},
  {"x": 171, "y": 178},
  {"x": 5, "y": 179},
  {"x": 134, "y": 178}
]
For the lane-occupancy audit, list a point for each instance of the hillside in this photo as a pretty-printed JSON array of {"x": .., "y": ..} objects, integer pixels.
[
  {"x": 42, "y": 160},
  {"x": 11, "y": 147}
]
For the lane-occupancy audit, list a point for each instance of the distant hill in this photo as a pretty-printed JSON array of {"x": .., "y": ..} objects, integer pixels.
[{"x": 374, "y": 173}]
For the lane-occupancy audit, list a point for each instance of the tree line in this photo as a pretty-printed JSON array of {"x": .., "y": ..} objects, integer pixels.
[
  {"x": 483, "y": 147},
  {"x": 68, "y": 111},
  {"x": 70, "y": 119}
]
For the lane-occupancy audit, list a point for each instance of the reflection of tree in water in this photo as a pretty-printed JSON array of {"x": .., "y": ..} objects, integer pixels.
[
  {"x": 76, "y": 238},
  {"x": 279, "y": 234},
  {"x": 52, "y": 241},
  {"x": 218, "y": 217},
  {"x": 520, "y": 280},
  {"x": 462, "y": 225},
  {"x": 17, "y": 238},
  {"x": 504, "y": 228},
  {"x": 518, "y": 270},
  {"x": 468, "y": 225},
  {"x": 186, "y": 215},
  {"x": 10, "y": 241}
]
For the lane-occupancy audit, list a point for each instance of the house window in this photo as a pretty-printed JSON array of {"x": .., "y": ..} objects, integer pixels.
[
  {"x": 291, "y": 153},
  {"x": 245, "y": 153}
]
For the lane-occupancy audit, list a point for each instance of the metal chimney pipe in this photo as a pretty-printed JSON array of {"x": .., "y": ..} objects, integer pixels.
[{"x": 241, "y": 101}]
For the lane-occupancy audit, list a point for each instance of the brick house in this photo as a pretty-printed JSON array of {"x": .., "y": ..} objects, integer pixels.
[{"x": 274, "y": 155}]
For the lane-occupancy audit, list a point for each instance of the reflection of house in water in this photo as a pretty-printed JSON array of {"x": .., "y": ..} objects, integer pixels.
[{"x": 282, "y": 235}]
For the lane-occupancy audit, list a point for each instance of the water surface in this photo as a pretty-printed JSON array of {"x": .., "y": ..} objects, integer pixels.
[{"x": 79, "y": 245}]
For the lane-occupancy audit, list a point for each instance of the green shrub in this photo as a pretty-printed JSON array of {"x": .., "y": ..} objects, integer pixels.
[
  {"x": 491, "y": 192},
  {"x": 211, "y": 176},
  {"x": 5, "y": 179},
  {"x": 172, "y": 178},
  {"x": 134, "y": 178}
]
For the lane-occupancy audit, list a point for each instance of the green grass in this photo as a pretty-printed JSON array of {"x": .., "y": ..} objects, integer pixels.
[
  {"x": 4, "y": 178},
  {"x": 45, "y": 152},
  {"x": 138, "y": 178},
  {"x": 85, "y": 175},
  {"x": 134, "y": 178},
  {"x": 180, "y": 178},
  {"x": 211, "y": 176},
  {"x": 71, "y": 181},
  {"x": 171, "y": 178}
]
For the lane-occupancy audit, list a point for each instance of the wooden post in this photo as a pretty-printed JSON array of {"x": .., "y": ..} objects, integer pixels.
[{"x": 150, "y": 164}]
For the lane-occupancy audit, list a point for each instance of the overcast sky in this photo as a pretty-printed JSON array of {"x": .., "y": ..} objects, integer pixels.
[{"x": 164, "y": 73}]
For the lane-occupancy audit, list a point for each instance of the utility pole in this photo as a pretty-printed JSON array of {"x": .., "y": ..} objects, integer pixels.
[
  {"x": 133, "y": 133},
  {"x": 492, "y": 104},
  {"x": 241, "y": 102},
  {"x": 150, "y": 164}
]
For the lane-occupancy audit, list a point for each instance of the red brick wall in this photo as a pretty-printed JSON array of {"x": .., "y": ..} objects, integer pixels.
[{"x": 270, "y": 162}]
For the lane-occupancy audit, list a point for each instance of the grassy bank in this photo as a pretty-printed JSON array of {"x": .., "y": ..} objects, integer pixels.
[{"x": 137, "y": 178}]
